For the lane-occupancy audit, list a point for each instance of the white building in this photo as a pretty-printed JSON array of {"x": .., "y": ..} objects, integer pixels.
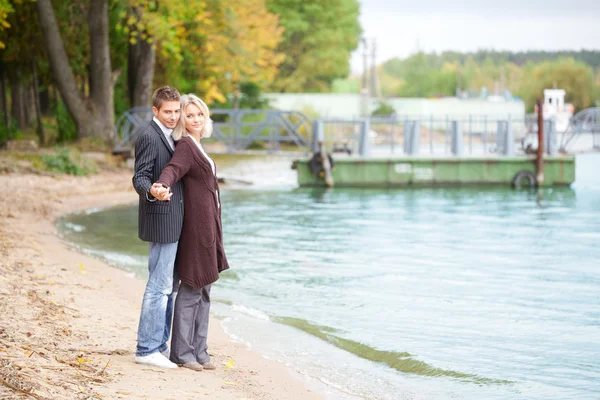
[{"x": 555, "y": 108}]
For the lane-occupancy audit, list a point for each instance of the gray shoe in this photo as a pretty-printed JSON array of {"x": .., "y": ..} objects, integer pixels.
[
  {"x": 209, "y": 366},
  {"x": 193, "y": 366}
]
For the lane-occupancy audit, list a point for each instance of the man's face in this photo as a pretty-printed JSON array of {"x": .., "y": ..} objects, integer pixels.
[{"x": 168, "y": 114}]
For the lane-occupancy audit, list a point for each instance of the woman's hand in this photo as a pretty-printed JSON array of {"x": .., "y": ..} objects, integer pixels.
[{"x": 161, "y": 192}]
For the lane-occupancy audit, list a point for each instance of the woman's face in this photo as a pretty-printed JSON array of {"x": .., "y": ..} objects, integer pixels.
[{"x": 194, "y": 119}]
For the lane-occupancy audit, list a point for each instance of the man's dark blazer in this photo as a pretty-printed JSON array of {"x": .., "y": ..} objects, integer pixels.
[{"x": 159, "y": 221}]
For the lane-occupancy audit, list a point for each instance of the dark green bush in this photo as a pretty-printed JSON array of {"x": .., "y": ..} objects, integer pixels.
[
  {"x": 69, "y": 162},
  {"x": 383, "y": 109},
  {"x": 8, "y": 133}
]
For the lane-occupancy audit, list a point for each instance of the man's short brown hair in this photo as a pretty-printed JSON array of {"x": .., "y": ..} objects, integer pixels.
[{"x": 162, "y": 94}]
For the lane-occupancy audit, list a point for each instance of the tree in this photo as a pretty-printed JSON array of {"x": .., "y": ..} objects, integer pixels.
[
  {"x": 94, "y": 114},
  {"x": 5, "y": 9},
  {"x": 213, "y": 47},
  {"x": 575, "y": 77},
  {"x": 208, "y": 47},
  {"x": 20, "y": 62},
  {"x": 318, "y": 39},
  {"x": 240, "y": 48},
  {"x": 139, "y": 22}
]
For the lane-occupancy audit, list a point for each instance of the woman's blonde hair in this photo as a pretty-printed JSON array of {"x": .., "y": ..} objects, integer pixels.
[{"x": 186, "y": 100}]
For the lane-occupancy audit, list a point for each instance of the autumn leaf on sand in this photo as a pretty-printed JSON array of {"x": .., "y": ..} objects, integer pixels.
[
  {"x": 82, "y": 360},
  {"x": 81, "y": 269},
  {"x": 229, "y": 364}
]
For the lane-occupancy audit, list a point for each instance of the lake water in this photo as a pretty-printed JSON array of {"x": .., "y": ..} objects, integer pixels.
[{"x": 449, "y": 293}]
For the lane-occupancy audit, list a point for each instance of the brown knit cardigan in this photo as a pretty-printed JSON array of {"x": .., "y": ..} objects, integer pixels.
[{"x": 200, "y": 254}]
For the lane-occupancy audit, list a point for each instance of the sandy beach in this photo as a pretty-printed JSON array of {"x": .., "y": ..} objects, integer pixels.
[{"x": 68, "y": 322}]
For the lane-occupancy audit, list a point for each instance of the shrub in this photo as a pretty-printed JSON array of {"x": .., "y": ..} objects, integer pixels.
[
  {"x": 69, "y": 162},
  {"x": 8, "y": 133},
  {"x": 383, "y": 109}
]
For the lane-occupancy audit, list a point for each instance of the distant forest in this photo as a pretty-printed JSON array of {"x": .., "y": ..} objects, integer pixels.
[
  {"x": 589, "y": 57},
  {"x": 478, "y": 74}
]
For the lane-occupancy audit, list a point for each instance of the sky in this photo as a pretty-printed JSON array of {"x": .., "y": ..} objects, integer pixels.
[{"x": 400, "y": 28}]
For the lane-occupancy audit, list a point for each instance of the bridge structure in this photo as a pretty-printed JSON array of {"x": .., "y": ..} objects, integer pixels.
[
  {"x": 583, "y": 125},
  {"x": 270, "y": 131},
  {"x": 239, "y": 130}
]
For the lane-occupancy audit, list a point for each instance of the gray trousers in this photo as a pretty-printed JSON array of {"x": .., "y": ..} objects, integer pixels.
[{"x": 190, "y": 325}]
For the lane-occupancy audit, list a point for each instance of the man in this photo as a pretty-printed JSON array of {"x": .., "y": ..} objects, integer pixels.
[{"x": 160, "y": 224}]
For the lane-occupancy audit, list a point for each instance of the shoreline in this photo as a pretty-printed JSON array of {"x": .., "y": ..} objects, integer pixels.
[{"x": 68, "y": 320}]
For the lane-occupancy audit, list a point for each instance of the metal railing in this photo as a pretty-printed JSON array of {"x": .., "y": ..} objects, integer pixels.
[
  {"x": 243, "y": 128},
  {"x": 425, "y": 135},
  {"x": 585, "y": 123},
  {"x": 238, "y": 130},
  {"x": 473, "y": 135}
]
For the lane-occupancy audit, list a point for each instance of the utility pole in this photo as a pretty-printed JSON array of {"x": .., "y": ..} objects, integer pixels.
[
  {"x": 539, "y": 159},
  {"x": 364, "y": 91},
  {"x": 502, "y": 80},
  {"x": 458, "y": 82},
  {"x": 375, "y": 87}
]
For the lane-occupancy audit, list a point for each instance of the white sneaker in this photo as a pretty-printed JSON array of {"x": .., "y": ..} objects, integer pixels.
[
  {"x": 156, "y": 360},
  {"x": 166, "y": 353}
]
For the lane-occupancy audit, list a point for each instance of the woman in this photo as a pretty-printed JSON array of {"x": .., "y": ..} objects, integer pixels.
[{"x": 200, "y": 255}]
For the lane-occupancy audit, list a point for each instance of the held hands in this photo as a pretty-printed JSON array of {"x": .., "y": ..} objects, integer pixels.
[{"x": 161, "y": 192}]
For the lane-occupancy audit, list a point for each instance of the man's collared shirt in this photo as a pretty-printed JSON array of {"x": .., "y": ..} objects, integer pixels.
[{"x": 166, "y": 131}]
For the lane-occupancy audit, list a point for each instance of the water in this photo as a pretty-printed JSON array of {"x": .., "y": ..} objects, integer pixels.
[{"x": 405, "y": 294}]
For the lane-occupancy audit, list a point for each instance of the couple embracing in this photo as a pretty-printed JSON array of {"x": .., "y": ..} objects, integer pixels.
[{"x": 180, "y": 217}]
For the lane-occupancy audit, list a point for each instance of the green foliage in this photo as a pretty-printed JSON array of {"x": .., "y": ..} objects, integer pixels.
[
  {"x": 575, "y": 77},
  {"x": 257, "y": 145},
  {"x": 66, "y": 161},
  {"x": 424, "y": 76},
  {"x": 121, "y": 97},
  {"x": 5, "y": 9},
  {"x": 8, "y": 132},
  {"x": 346, "y": 85},
  {"x": 118, "y": 38},
  {"x": 65, "y": 126},
  {"x": 592, "y": 58},
  {"x": 310, "y": 112},
  {"x": 317, "y": 42},
  {"x": 433, "y": 75},
  {"x": 383, "y": 109},
  {"x": 208, "y": 47},
  {"x": 250, "y": 97}
]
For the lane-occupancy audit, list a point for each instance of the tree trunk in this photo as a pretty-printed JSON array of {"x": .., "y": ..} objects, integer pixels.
[
  {"x": 4, "y": 99},
  {"x": 133, "y": 55},
  {"x": 38, "y": 108},
  {"x": 236, "y": 96},
  {"x": 28, "y": 106},
  {"x": 140, "y": 72},
  {"x": 93, "y": 118},
  {"x": 17, "y": 100},
  {"x": 59, "y": 63},
  {"x": 101, "y": 76},
  {"x": 44, "y": 100}
]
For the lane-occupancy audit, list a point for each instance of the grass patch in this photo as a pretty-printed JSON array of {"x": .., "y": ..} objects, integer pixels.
[
  {"x": 69, "y": 161},
  {"x": 62, "y": 160}
]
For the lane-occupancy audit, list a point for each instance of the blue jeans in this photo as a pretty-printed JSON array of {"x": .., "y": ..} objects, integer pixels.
[{"x": 157, "y": 306}]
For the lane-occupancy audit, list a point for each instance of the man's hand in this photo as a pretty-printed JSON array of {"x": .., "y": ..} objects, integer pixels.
[{"x": 160, "y": 192}]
